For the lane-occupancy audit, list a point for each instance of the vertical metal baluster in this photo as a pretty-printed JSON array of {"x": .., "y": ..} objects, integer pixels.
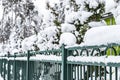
[
  {"x": 71, "y": 72},
  {"x": 91, "y": 72},
  {"x": 81, "y": 72},
  {"x": 56, "y": 73},
  {"x": 110, "y": 74},
  {"x": 4, "y": 69},
  {"x": 14, "y": 67},
  {"x": 64, "y": 63},
  {"x": 28, "y": 67},
  {"x": 60, "y": 69},
  {"x": 84, "y": 71},
  {"x": 77, "y": 72},
  {"x": 67, "y": 72},
  {"x": 8, "y": 68},
  {"x": 95, "y": 72},
  {"x": 116, "y": 73},
  {"x": 100, "y": 72},
  {"x": 74, "y": 72},
  {"x": 88, "y": 72},
  {"x": 105, "y": 72}
]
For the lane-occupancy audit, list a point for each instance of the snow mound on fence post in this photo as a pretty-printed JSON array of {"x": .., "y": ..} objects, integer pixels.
[
  {"x": 68, "y": 39},
  {"x": 102, "y": 35}
]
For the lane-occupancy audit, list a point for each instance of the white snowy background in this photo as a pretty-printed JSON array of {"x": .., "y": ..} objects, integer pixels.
[
  {"x": 66, "y": 31},
  {"x": 43, "y": 30}
]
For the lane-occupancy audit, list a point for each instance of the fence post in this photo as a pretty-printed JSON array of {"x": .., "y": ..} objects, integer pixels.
[
  {"x": 0, "y": 67},
  {"x": 8, "y": 68},
  {"x": 69, "y": 67},
  {"x": 4, "y": 60},
  {"x": 28, "y": 66},
  {"x": 14, "y": 67},
  {"x": 64, "y": 63}
]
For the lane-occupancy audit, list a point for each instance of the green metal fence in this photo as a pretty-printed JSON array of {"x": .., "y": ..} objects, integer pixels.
[{"x": 72, "y": 63}]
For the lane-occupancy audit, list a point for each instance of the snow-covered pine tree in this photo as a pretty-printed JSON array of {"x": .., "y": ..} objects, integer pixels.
[{"x": 76, "y": 13}]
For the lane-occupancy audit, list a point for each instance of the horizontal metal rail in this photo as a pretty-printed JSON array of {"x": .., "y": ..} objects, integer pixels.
[{"x": 60, "y": 64}]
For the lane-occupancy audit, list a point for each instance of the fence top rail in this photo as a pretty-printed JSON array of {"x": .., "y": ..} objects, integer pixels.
[
  {"x": 95, "y": 60},
  {"x": 32, "y": 53},
  {"x": 94, "y": 64},
  {"x": 35, "y": 58},
  {"x": 46, "y": 51},
  {"x": 91, "y": 47},
  {"x": 59, "y": 51}
]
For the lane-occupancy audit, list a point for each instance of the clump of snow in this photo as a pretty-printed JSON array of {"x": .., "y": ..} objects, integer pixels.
[
  {"x": 84, "y": 16},
  {"x": 93, "y": 3},
  {"x": 101, "y": 1},
  {"x": 40, "y": 5},
  {"x": 21, "y": 58},
  {"x": 46, "y": 57},
  {"x": 109, "y": 5},
  {"x": 115, "y": 9},
  {"x": 1, "y": 10},
  {"x": 102, "y": 35},
  {"x": 68, "y": 39},
  {"x": 27, "y": 43},
  {"x": 50, "y": 31},
  {"x": 42, "y": 41},
  {"x": 95, "y": 59},
  {"x": 71, "y": 17},
  {"x": 79, "y": 2},
  {"x": 80, "y": 15},
  {"x": 48, "y": 19},
  {"x": 117, "y": 20},
  {"x": 53, "y": 2},
  {"x": 116, "y": 13},
  {"x": 1, "y": 78},
  {"x": 67, "y": 27},
  {"x": 96, "y": 24}
]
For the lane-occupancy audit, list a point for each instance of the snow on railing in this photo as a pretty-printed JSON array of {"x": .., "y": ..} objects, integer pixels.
[{"x": 95, "y": 59}]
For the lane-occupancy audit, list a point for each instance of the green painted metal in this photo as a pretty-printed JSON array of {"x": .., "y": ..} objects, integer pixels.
[
  {"x": 8, "y": 68},
  {"x": 28, "y": 66},
  {"x": 116, "y": 73},
  {"x": 64, "y": 63},
  {"x": 4, "y": 73},
  {"x": 14, "y": 65},
  {"x": 69, "y": 70}
]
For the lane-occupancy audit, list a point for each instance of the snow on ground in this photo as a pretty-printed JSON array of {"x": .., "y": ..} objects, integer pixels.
[
  {"x": 1, "y": 78},
  {"x": 102, "y": 35}
]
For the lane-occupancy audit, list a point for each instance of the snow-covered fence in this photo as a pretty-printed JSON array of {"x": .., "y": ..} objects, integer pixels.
[
  {"x": 70, "y": 63},
  {"x": 94, "y": 62}
]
